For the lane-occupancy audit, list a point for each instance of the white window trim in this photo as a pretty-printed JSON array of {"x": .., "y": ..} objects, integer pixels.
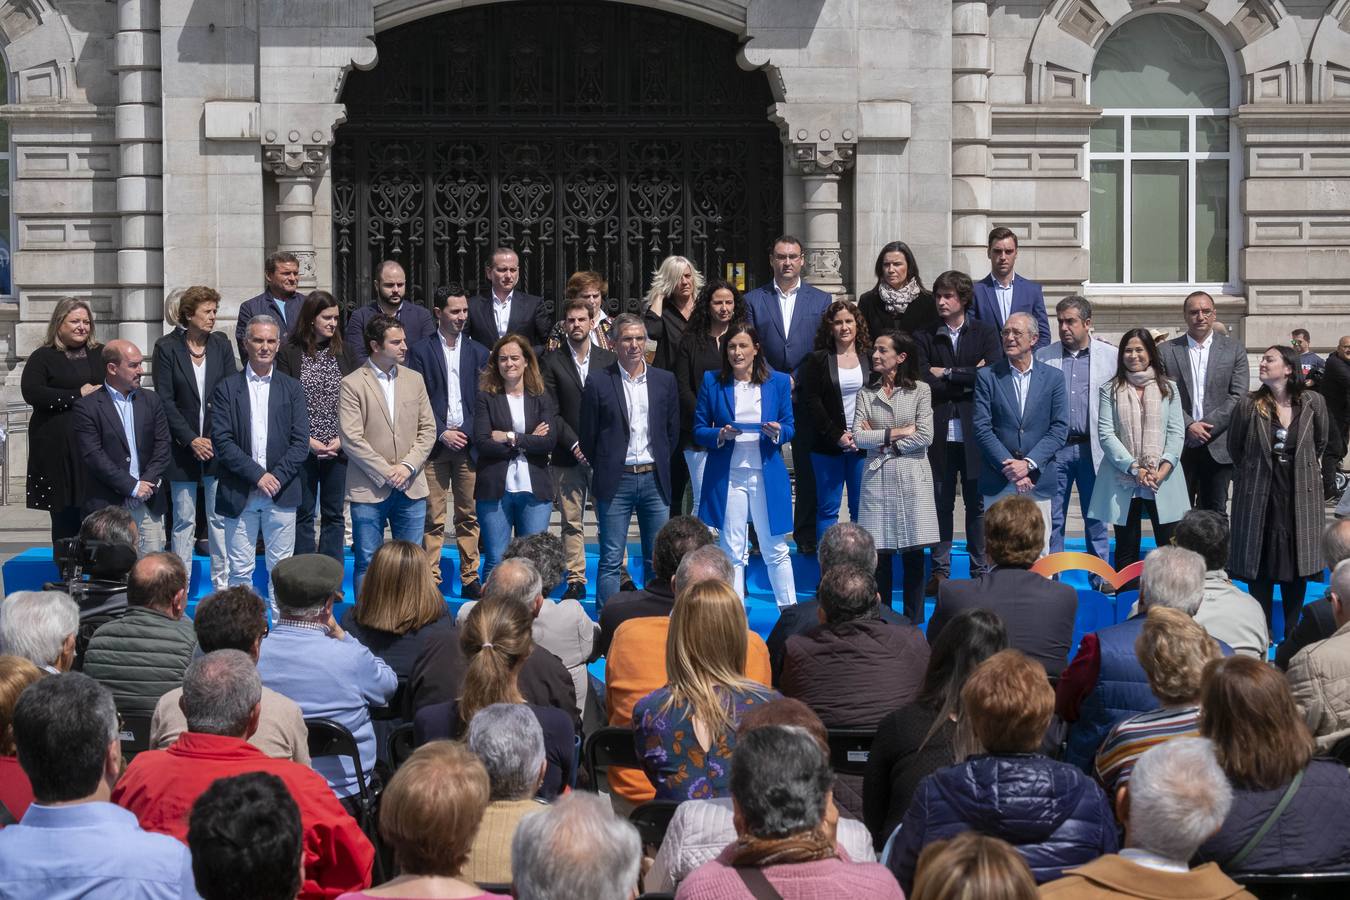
[{"x": 1234, "y": 157}]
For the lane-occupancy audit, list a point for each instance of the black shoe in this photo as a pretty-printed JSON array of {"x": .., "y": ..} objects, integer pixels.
[
  {"x": 934, "y": 583},
  {"x": 471, "y": 590},
  {"x": 627, "y": 585},
  {"x": 576, "y": 590}
]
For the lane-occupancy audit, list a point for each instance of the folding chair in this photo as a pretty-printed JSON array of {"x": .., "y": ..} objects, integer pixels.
[
  {"x": 849, "y": 749},
  {"x": 652, "y": 818},
  {"x": 400, "y": 745},
  {"x": 1297, "y": 885},
  {"x": 609, "y": 746},
  {"x": 134, "y": 733},
  {"x": 329, "y": 738}
]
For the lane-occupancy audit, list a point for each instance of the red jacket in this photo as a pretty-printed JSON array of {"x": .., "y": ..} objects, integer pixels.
[{"x": 160, "y": 787}]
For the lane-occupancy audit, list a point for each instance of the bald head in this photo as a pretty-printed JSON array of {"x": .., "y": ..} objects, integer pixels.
[
  {"x": 516, "y": 581},
  {"x": 159, "y": 581},
  {"x": 122, "y": 362}
]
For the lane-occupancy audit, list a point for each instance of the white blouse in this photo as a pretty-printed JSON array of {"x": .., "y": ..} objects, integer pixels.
[
  {"x": 518, "y": 474},
  {"x": 745, "y": 453},
  {"x": 850, "y": 382}
]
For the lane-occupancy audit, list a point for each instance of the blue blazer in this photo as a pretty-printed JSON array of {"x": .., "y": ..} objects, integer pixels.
[
  {"x": 603, "y": 431},
  {"x": 1003, "y": 433},
  {"x": 762, "y": 311},
  {"x": 1027, "y": 298},
  {"x": 717, "y": 407},
  {"x": 232, "y": 433},
  {"x": 428, "y": 359},
  {"x": 102, "y": 444},
  {"x": 266, "y": 305}
]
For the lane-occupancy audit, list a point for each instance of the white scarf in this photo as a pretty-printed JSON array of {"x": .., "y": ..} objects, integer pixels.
[{"x": 1142, "y": 417}]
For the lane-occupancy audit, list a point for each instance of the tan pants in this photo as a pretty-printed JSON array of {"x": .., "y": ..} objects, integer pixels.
[
  {"x": 571, "y": 485},
  {"x": 452, "y": 471}
]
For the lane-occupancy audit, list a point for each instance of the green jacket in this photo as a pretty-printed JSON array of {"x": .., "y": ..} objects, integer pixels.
[{"x": 140, "y": 657}]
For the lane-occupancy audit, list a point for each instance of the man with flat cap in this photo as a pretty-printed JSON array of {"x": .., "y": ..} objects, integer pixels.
[{"x": 327, "y": 672}]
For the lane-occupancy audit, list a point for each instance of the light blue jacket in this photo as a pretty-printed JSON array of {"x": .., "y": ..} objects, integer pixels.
[
  {"x": 1115, "y": 485},
  {"x": 717, "y": 407}
]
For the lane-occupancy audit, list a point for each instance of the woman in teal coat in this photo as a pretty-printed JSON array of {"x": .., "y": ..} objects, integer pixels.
[
  {"x": 1140, "y": 429},
  {"x": 744, "y": 417}
]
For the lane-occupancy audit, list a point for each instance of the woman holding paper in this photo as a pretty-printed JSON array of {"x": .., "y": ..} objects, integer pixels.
[{"x": 744, "y": 416}]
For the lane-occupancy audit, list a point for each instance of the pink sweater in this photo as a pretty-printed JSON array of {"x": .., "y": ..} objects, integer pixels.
[{"x": 827, "y": 879}]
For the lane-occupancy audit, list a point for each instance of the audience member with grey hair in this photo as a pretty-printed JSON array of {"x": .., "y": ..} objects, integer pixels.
[
  {"x": 40, "y": 626},
  {"x": 578, "y": 849},
  {"x": 509, "y": 741},
  {"x": 545, "y": 550},
  {"x": 1319, "y": 675},
  {"x": 1318, "y": 621},
  {"x": 682, "y": 541},
  {"x": 1174, "y": 578},
  {"x": 221, "y": 700},
  {"x": 706, "y": 563},
  {"x": 1177, "y": 798},
  {"x": 221, "y": 692},
  {"x": 843, "y": 544},
  {"x": 781, "y": 783},
  {"x": 65, "y": 728},
  {"x": 512, "y": 580}
]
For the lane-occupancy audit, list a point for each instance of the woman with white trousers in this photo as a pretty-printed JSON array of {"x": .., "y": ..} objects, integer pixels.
[{"x": 744, "y": 416}]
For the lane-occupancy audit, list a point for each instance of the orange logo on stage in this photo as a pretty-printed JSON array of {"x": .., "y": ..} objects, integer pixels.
[{"x": 1068, "y": 561}]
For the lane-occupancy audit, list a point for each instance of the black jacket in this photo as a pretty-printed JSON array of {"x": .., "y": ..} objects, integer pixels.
[
  {"x": 799, "y": 619},
  {"x": 102, "y": 444},
  {"x": 1039, "y": 613},
  {"x": 818, "y": 392},
  {"x": 921, "y": 314},
  {"x": 563, "y": 383},
  {"x": 854, "y": 673},
  {"x": 176, "y": 384},
  {"x": 954, "y": 396},
  {"x": 493, "y": 413},
  {"x": 530, "y": 318},
  {"x": 693, "y": 358}
]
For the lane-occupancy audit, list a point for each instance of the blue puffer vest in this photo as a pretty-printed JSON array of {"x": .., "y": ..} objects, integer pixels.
[{"x": 1121, "y": 691}]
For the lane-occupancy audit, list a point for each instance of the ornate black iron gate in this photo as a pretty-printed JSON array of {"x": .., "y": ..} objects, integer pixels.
[{"x": 584, "y": 135}]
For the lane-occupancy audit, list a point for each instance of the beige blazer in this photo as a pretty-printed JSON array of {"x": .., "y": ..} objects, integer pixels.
[{"x": 373, "y": 441}]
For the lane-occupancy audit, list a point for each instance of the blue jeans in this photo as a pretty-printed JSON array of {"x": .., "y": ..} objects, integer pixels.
[
  {"x": 1073, "y": 466},
  {"x": 520, "y": 511},
  {"x": 832, "y": 474},
  {"x": 404, "y": 517},
  {"x": 635, "y": 493}
]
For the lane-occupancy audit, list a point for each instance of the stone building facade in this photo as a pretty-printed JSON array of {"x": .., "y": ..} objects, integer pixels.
[{"x": 1137, "y": 147}]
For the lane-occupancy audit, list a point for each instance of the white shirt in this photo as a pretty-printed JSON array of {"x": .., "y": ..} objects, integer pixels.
[
  {"x": 1021, "y": 385},
  {"x": 126, "y": 411},
  {"x": 850, "y": 382},
  {"x": 518, "y": 473},
  {"x": 954, "y": 433},
  {"x": 1150, "y": 860},
  {"x": 1004, "y": 296},
  {"x": 1198, "y": 354},
  {"x": 787, "y": 302},
  {"x": 745, "y": 452},
  {"x": 639, "y": 437},
  {"x": 454, "y": 404},
  {"x": 199, "y": 373},
  {"x": 386, "y": 383},
  {"x": 259, "y": 393},
  {"x": 501, "y": 313},
  {"x": 583, "y": 364}
]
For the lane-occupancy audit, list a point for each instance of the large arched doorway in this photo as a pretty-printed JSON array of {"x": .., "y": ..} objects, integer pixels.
[{"x": 584, "y": 135}]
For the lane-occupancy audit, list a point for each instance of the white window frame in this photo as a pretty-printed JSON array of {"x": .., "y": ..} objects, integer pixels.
[{"x": 1191, "y": 156}]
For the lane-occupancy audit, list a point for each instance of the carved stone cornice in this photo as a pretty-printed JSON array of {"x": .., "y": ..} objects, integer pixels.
[
  {"x": 295, "y": 160},
  {"x": 812, "y": 158}
]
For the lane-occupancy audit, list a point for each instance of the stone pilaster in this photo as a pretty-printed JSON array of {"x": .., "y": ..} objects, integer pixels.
[
  {"x": 971, "y": 185},
  {"x": 821, "y": 162},
  {"x": 297, "y": 170}
]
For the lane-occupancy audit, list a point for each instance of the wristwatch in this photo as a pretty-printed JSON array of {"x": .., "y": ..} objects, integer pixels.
[
  {"x": 511, "y": 438},
  {"x": 947, "y": 373}
]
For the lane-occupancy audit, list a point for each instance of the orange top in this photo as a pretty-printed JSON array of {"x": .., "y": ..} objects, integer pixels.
[{"x": 636, "y": 666}]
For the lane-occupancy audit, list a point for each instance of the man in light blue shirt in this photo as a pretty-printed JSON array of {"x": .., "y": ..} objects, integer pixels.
[
  {"x": 72, "y": 843},
  {"x": 327, "y": 672}
]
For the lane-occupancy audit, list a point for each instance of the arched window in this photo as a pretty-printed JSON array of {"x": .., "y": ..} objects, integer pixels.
[{"x": 1162, "y": 157}]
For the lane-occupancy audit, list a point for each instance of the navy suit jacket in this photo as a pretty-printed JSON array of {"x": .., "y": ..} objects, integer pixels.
[
  {"x": 762, "y": 311},
  {"x": 232, "y": 432},
  {"x": 529, "y": 318},
  {"x": 1027, "y": 298},
  {"x": 266, "y": 305},
  {"x": 428, "y": 359},
  {"x": 102, "y": 443},
  {"x": 1004, "y": 433},
  {"x": 604, "y": 427}
]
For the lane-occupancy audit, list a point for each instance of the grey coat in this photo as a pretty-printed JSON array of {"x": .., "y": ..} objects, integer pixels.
[
  {"x": 1225, "y": 384},
  {"x": 1249, "y": 443}
]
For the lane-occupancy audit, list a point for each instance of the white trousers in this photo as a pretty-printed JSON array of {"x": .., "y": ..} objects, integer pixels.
[
  {"x": 697, "y": 461},
  {"x": 1042, "y": 505},
  {"x": 149, "y": 529},
  {"x": 747, "y": 501},
  {"x": 277, "y": 525}
]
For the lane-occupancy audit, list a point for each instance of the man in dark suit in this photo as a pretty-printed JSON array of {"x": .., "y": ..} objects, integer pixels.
[
  {"x": 565, "y": 372},
  {"x": 786, "y": 313},
  {"x": 506, "y": 310},
  {"x": 279, "y": 298},
  {"x": 1003, "y": 292},
  {"x": 1211, "y": 373},
  {"x": 953, "y": 351},
  {"x": 391, "y": 287},
  {"x": 630, "y": 421},
  {"x": 260, "y": 426},
  {"x": 1021, "y": 420},
  {"x": 450, "y": 362},
  {"x": 123, "y": 437},
  {"x": 1334, "y": 386},
  {"x": 1038, "y": 612}
]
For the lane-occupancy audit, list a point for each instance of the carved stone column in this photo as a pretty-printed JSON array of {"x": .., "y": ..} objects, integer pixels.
[
  {"x": 822, "y": 166},
  {"x": 297, "y": 169}
]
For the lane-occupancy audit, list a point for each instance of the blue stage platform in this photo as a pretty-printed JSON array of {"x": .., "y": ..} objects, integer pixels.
[{"x": 30, "y": 569}]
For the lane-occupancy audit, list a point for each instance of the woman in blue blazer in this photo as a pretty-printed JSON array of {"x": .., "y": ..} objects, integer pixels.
[
  {"x": 1139, "y": 427},
  {"x": 743, "y": 417}
]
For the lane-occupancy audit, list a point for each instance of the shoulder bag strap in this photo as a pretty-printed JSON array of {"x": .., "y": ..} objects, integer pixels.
[
  {"x": 757, "y": 883},
  {"x": 6, "y": 817},
  {"x": 1236, "y": 862}
]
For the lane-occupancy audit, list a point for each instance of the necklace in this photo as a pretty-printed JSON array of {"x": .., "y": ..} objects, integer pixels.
[{"x": 194, "y": 354}]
